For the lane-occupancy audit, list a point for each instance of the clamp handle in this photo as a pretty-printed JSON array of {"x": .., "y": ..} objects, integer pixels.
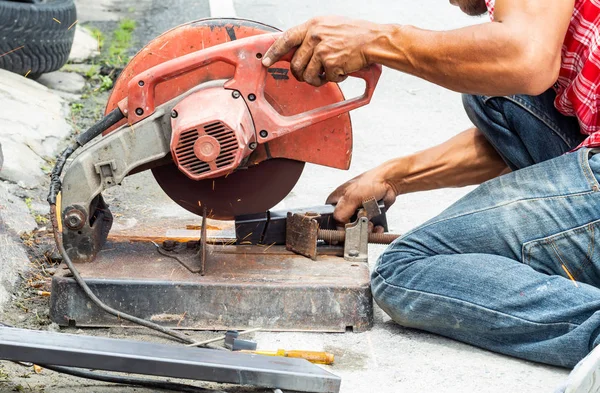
[{"x": 249, "y": 80}]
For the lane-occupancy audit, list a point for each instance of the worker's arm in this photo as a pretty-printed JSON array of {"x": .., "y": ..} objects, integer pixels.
[
  {"x": 518, "y": 53},
  {"x": 466, "y": 159}
]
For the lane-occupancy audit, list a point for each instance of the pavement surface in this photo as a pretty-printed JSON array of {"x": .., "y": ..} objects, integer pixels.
[{"x": 406, "y": 115}]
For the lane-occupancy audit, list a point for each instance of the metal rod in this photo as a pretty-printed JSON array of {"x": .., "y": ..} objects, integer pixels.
[
  {"x": 203, "y": 242},
  {"x": 331, "y": 236}
]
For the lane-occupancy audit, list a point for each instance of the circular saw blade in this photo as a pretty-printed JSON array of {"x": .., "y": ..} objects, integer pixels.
[
  {"x": 245, "y": 191},
  {"x": 263, "y": 185}
]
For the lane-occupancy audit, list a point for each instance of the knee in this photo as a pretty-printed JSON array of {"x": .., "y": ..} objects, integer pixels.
[{"x": 390, "y": 269}]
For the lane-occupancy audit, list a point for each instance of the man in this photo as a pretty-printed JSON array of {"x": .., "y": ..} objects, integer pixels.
[{"x": 514, "y": 266}]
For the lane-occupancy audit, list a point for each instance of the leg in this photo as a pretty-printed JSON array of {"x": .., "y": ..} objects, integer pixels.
[
  {"x": 525, "y": 130},
  {"x": 492, "y": 269}
]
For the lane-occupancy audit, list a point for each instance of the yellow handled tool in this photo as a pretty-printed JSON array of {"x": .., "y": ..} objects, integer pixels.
[{"x": 311, "y": 356}]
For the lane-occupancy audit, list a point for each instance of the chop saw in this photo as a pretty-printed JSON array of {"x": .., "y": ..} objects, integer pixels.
[{"x": 225, "y": 138}]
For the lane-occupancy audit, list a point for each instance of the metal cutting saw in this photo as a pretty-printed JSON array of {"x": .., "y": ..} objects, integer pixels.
[{"x": 225, "y": 138}]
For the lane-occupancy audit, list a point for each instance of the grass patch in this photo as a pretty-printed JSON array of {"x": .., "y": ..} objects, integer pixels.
[
  {"x": 4, "y": 377},
  {"x": 99, "y": 36},
  {"x": 120, "y": 44},
  {"x": 76, "y": 108},
  {"x": 113, "y": 57},
  {"x": 28, "y": 203},
  {"x": 39, "y": 219},
  {"x": 102, "y": 72}
]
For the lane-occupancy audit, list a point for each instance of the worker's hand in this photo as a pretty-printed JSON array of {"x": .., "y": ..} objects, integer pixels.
[
  {"x": 329, "y": 48},
  {"x": 350, "y": 195}
]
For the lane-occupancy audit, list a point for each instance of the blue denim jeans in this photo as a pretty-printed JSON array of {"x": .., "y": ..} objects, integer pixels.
[{"x": 514, "y": 266}]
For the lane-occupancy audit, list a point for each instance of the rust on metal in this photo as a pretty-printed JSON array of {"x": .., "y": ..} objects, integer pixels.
[
  {"x": 371, "y": 208},
  {"x": 301, "y": 234},
  {"x": 245, "y": 288},
  {"x": 333, "y": 236}
]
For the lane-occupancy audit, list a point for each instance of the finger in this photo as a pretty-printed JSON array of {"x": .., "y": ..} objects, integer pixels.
[
  {"x": 370, "y": 226},
  {"x": 335, "y": 74},
  {"x": 313, "y": 71},
  {"x": 343, "y": 78},
  {"x": 389, "y": 198},
  {"x": 378, "y": 229},
  {"x": 344, "y": 210},
  {"x": 301, "y": 59},
  {"x": 335, "y": 196},
  {"x": 285, "y": 43}
]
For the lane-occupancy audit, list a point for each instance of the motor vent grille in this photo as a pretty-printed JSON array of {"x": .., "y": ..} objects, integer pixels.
[{"x": 188, "y": 160}]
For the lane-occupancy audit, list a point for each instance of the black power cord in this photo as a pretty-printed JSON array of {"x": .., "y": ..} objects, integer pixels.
[
  {"x": 134, "y": 381},
  {"x": 55, "y": 187}
]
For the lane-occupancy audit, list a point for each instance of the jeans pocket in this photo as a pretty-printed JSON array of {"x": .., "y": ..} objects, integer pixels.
[{"x": 572, "y": 254}]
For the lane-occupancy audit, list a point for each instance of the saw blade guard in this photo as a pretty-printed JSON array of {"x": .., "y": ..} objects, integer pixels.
[{"x": 207, "y": 114}]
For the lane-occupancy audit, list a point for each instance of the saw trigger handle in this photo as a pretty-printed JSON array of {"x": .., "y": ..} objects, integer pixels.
[
  {"x": 249, "y": 80},
  {"x": 278, "y": 125}
]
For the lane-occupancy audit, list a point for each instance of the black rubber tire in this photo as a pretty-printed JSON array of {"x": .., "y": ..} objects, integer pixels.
[{"x": 38, "y": 42}]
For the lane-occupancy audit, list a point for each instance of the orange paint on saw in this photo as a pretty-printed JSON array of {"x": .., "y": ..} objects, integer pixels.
[{"x": 326, "y": 143}]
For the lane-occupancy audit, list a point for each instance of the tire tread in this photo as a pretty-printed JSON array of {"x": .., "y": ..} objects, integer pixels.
[{"x": 46, "y": 43}]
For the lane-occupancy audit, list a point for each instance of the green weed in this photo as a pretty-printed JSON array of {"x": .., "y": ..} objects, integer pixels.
[
  {"x": 99, "y": 36},
  {"x": 120, "y": 43},
  {"x": 28, "y": 203},
  {"x": 76, "y": 108}
]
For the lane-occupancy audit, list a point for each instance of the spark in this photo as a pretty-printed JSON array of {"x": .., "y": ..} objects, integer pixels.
[
  {"x": 247, "y": 236},
  {"x": 12, "y": 50},
  {"x": 239, "y": 200},
  {"x": 182, "y": 317},
  {"x": 27, "y": 73},
  {"x": 56, "y": 20},
  {"x": 266, "y": 249},
  {"x": 213, "y": 185},
  {"x": 570, "y": 275},
  {"x": 73, "y": 24}
]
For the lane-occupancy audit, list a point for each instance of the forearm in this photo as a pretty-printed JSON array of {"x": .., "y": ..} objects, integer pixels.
[
  {"x": 485, "y": 59},
  {"x": 466, "y": 159}
]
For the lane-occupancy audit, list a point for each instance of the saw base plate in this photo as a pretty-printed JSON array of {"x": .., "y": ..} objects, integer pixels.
[{"x": 245, "y": 287}]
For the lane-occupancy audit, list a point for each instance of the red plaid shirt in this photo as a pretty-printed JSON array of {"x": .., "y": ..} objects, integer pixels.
[{"x": 578, "y": 85}]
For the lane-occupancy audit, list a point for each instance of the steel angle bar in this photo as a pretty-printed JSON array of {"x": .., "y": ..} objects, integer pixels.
[{"x": 165, "y": 360}]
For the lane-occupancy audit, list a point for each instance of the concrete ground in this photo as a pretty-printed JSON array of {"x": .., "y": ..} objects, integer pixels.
[{"x": 406, "y": 115}]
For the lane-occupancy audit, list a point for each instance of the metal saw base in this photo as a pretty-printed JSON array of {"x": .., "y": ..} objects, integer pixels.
[{"x": 244, "y": 287}]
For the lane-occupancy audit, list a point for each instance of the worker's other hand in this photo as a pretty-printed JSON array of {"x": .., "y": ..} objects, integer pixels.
[
  {"x": 329, "y": 48},
  {"x": 350, "y": 195}
]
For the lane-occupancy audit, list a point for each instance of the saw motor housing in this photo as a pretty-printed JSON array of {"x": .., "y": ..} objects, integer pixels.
[{"x": 208, "y": 142}]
